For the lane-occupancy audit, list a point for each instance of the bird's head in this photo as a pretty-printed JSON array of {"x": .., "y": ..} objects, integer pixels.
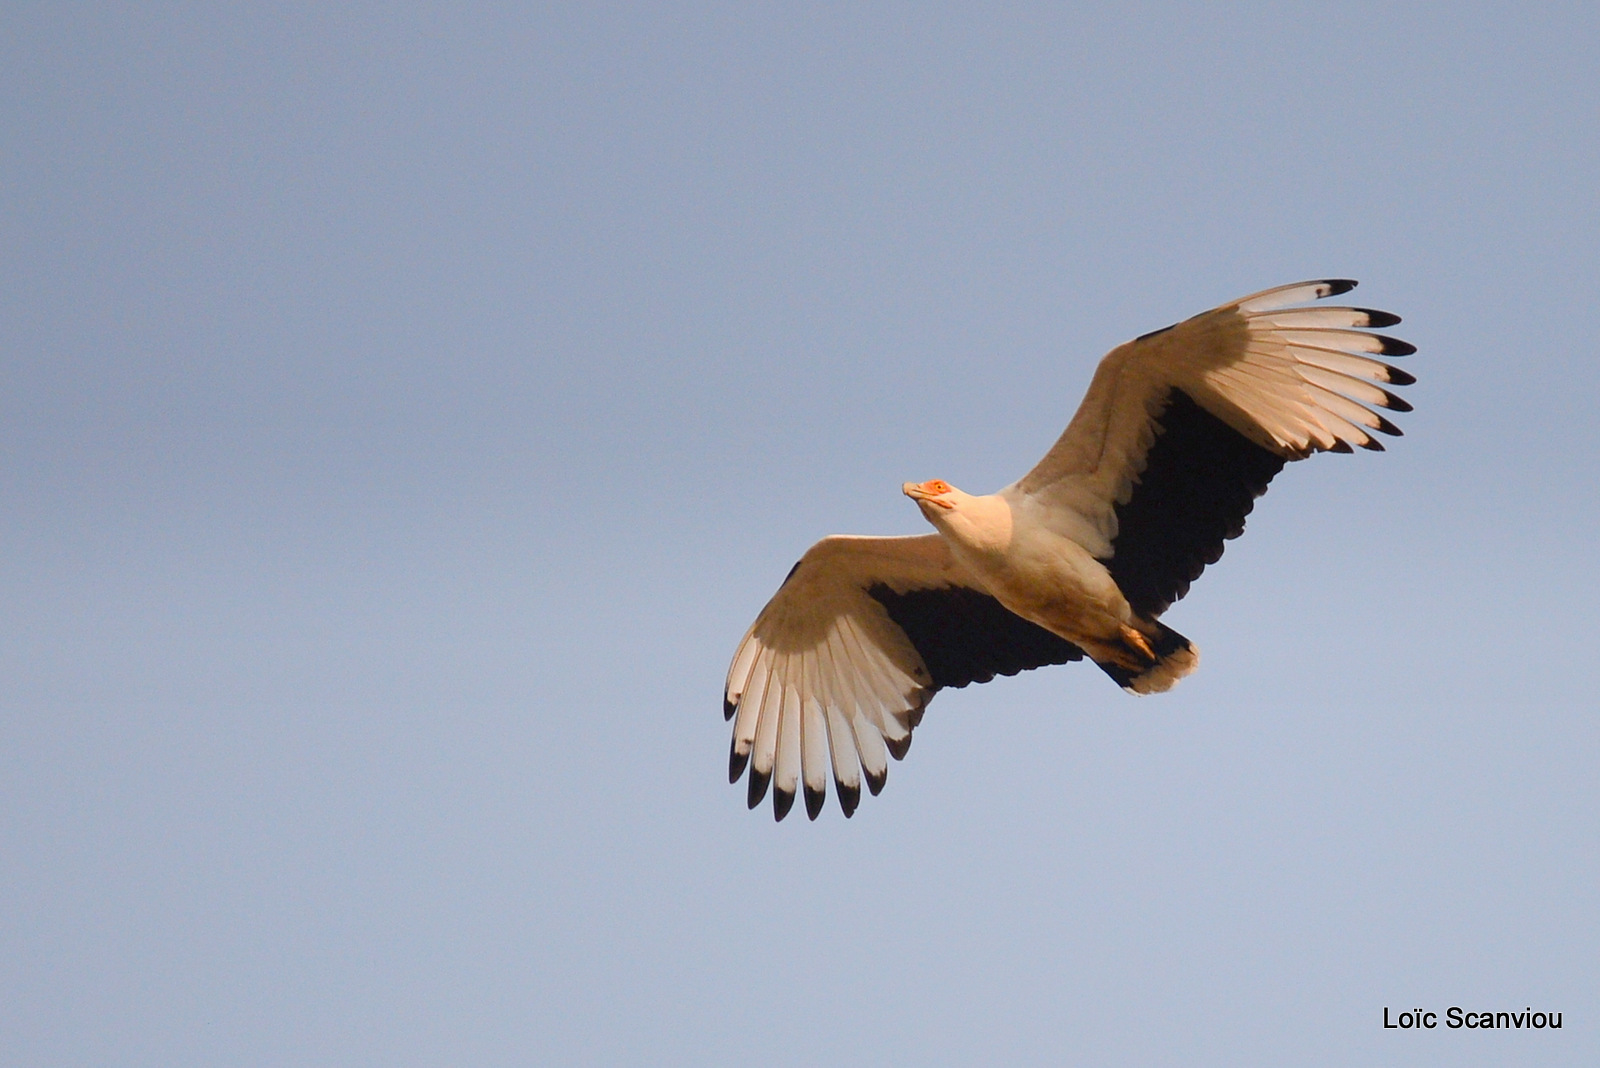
[
  {"x": 983, "y": 524},
  {"x": 933, "y": 497}
]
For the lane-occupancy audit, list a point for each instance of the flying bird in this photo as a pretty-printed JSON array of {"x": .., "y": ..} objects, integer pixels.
[{"x": 1181, "y": 430}]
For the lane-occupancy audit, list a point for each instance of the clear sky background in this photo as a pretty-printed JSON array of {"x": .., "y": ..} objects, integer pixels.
[{"x": 405, "y": 409}]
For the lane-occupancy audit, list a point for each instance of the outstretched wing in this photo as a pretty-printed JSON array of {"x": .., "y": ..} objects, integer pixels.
[
  {"x": 1183, "y": 429},
  {"x": 838, "y": 667}
]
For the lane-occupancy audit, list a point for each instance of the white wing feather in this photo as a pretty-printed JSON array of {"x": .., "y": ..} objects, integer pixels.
[
  {"x": 824, "y": 683},
  {"x": 1292, "y": 380}
]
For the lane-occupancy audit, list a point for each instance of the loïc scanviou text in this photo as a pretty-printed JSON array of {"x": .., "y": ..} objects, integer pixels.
[{"x": 1456, "y": 1017}]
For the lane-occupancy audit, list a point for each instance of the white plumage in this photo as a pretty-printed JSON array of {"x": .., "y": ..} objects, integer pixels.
[{"x": 1179, "y": 433}]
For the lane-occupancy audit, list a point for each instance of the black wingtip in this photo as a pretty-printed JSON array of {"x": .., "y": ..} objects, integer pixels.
[
  {"x": 758, "y": 787},
  {"x": 1379, "y": 318},
  {"x": 814, "y": 800},
  {"x": 1394, "y": 403},
  {"x": 728, "y": 709},
  {"x": 898, "y": 749},
  {"x": 1372, "y": 445},
  {"x": 1393, "y": 346},
  {"x": 1398, "y": 377},
  {"x": 1340, "y": 446},
  {"x": 1339, "y": 285},
  {"x": 736, "y": 762},
  {"x": 875, "y": 782},
  {"x": 849, "y": 798},
  {"x": 782, "y": 802}
]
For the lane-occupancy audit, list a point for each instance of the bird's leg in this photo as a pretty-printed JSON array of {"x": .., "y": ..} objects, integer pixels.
[{"x": 1139, "y": 642}]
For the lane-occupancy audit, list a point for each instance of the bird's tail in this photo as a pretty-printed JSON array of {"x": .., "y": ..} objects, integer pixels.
[{"x": 1175, "y": 657}]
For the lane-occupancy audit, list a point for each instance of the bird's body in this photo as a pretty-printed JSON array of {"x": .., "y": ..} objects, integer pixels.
[
  {"x": 1013, "y": 553},
  {"x": 1179, "y": 433}
]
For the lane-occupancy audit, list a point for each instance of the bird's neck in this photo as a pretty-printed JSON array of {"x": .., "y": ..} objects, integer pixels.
[{"x": 980, "y": 527}]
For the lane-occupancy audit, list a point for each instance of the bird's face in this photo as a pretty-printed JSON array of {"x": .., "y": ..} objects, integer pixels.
[{"x": 934, "y": 497}]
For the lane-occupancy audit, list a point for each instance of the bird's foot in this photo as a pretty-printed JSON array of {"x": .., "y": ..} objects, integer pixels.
[{"x": 1138, "y": 641}]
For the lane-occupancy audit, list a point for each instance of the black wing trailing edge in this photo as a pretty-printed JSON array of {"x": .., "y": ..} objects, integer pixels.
[
  {"x": 966, "y": 636},
  {"x": 1201, "y": 478}
]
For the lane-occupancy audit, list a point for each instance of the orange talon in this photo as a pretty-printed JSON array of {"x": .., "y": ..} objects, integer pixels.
[{"x": 1138, "y": 641}]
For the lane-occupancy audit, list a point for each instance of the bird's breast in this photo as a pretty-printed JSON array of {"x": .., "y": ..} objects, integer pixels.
[{"x": 1051, "y": 580}]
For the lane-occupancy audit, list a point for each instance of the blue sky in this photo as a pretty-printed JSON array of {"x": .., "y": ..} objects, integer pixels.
[{"x": 405, "y": 409}]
